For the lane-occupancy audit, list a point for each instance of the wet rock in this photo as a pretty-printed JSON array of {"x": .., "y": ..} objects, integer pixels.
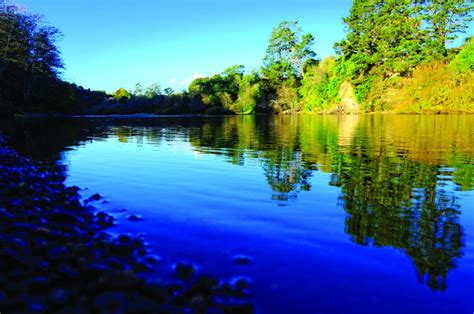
[
  {"x": 95, "y": 197},
  {"x": 94, "y": 270},
  {"x": 184, "y": 271},
  {"x": 116, "y": 263},
  {"x": 152, "y": 259},
  {"x": 105, "y": 220},
  {"x": 110, "y": 302},
  {"x": 245, "y": 308},
  {"x": 204, "y": 285},
  {"x": 57, "y": 296},
  {"x": 68, "y": 271},
  {"x": 242, "y": 259},
  {"x": 156, "y": 291},
  {"x": 140, "y": 267},
  {"x": 73, "y": 309},
  {"x": 122, "y": 250},
  {"x": 64, "y": 217},
  {"x": 123, "y": 280},
  {"x": 39, "y": 283},
  {"x": 241, "y": 282},
  {"x": 124, "y": 238},
  {"x": 134, "y": 218},
  {"x": 37, "y": 308},
  {"x": 56, "y": 257}
]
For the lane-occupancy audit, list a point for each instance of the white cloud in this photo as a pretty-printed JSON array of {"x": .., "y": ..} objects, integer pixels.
[
  {"x": 187, "y": 81},
  {"x": 173, "y": 81}
]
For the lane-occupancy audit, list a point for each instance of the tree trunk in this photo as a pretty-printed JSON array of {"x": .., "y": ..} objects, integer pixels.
[{"x": 297, "y": 61}]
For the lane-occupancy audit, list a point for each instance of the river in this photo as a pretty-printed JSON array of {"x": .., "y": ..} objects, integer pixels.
[{"x": 337, "y": 214}]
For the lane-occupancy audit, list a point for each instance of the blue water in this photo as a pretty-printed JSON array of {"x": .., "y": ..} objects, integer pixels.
[{"x": 361, "y": 214}]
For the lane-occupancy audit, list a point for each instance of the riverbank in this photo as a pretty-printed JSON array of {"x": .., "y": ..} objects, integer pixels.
[
  {"x": 151, "y": 116},
  {"x": 56, "y": 256}
]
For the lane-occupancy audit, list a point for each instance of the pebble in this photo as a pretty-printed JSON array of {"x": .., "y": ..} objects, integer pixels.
[
  {"x": 57, "y": 296},
  {"x": 134, "y": 218},
  {"x": 242, "y": 259},
  {"x": 184, "y": 271},
  {"x": 95, "y": 197},
  {"x": 56, "y": 255}
]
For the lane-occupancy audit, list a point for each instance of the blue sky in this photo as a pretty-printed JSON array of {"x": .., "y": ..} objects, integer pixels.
[{"x": 109, "y": 44}]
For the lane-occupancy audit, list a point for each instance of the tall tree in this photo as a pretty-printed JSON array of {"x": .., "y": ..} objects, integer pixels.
[
  {"x": 383, "y": 34},
  {"x": 446, "y": 19},
  {"x": 288, "y": 50},
  {"x": 28, "y": 51},
  {"x": 396, "y": 35}
]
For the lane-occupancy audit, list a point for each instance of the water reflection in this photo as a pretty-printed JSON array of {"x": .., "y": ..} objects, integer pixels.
[
  {"x": 398, "y": 175},
  {"x": 397, "y": 203}
]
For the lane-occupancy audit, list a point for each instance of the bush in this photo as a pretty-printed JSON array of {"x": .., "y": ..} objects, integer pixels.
[
  {"x": 436, "y": 88},
  {"x": 463, "y": 63}
]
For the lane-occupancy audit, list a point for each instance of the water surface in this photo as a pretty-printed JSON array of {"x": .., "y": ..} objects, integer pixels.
[{"x": 341, "y": 214}]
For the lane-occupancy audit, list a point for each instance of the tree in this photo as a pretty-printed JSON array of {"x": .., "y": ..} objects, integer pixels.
[
  {"x": 138, "y": 90},
  {"x": 168, "y": 91},
  {"x": 397, "y": 35},
  {"x": 122, "y": 95},
  {"x": 249, "y": 94},
  {"x": 463, "y": 63},
  {"x": 287, "y": 52},
  {"x": 446, "y": 19},
  {"x": 28, "y": 56},
  {"x": 316, "y": 90},
  {"x": 153, "y": 90},
  {"x": 385, "y": 36}
]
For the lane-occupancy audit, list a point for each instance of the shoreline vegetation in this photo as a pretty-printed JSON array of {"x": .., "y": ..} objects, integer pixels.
[
  {"x": 57, "y": 257},
  {"x": 396, "y": 57}
]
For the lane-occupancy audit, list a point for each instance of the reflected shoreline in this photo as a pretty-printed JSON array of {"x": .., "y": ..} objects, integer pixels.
[{"x": 398, "y": 175}]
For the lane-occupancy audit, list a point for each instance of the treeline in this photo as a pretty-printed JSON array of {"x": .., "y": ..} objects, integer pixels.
[
  {"x": 396, "y": 52},
  {"x": 395, "y": 57},
  {"x": 30, "y": 67}
]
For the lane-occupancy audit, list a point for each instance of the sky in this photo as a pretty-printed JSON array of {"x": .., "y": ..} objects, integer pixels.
[{"x": 109, "y": 44}]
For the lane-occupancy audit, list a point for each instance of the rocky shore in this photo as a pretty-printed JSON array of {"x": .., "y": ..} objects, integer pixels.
[{"x": 56, "y": 256}]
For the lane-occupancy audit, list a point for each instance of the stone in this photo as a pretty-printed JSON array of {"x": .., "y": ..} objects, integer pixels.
[
  {"x": 134, "y": 218},
  {"x": 184, "y": 271},
  {"x": 242, "y": 259}
]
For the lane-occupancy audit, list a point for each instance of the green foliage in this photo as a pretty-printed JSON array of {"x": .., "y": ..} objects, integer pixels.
[
  {"x": 248, "y": 96},
  {"x": 30, "y": 67},
  {"x": 389, "y": 43},
  {"x": 168, "y": 91},
  {"x": 445, "y": 20},
  {"x": 138, "y": 90},
  {"x": 122, "y": 95},
  {"x": 288, "y": 51},
  {"x": 388, "y": 39},
  {"x": 316, "y": 89},
  {"x": 383, "y": 34},
  {"x": 464, "y": 62},
  {"x": 287, "y": 100},
  {"x": 230, "y": 91},
  {"x": 436, "y": 88},
  {"x": 153, "y": 91}
]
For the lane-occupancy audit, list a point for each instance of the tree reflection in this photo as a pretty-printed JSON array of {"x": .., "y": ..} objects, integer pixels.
[
  {"x": 398, "y": 176},
  {"x": 287, "y": 175},
  {"x": 397, "y": 203}
]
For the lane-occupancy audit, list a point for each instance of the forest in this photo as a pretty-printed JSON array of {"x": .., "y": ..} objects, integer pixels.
[{"x": 397, "y": 56}]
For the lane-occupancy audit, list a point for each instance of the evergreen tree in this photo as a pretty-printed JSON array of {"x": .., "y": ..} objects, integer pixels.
[{"x": 288, "y": 51}]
